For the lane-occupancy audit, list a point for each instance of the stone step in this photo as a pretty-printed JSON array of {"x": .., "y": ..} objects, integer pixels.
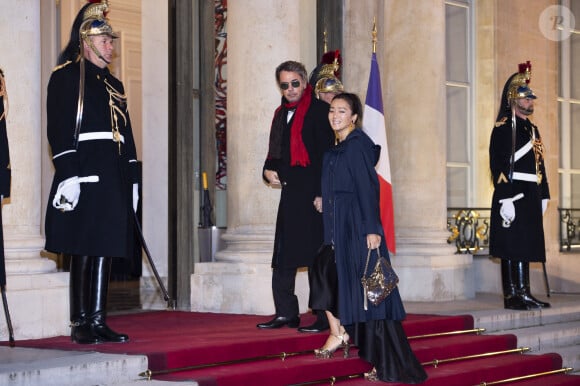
[
  {"x": 570, "y": 356},
  {"x": 563, "y": 338},
  {"x": 27, "y": 367}
]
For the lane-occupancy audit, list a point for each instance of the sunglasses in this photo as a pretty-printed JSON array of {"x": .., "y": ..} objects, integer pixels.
[{"x": 285, "y": 85}]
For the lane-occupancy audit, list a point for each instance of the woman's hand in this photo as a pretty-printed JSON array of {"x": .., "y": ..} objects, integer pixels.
[
  {"x": 373, "y": 241},
  {"x": 318, "y": 204}
]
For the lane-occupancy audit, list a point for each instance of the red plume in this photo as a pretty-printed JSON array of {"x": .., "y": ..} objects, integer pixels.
[{"x": 526, "y": 68}]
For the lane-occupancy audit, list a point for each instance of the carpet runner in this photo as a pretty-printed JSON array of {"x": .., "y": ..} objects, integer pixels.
[{"x": 194, "y": 343}]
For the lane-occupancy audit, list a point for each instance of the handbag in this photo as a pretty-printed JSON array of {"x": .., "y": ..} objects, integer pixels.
[{"x": 380, "y": 282}]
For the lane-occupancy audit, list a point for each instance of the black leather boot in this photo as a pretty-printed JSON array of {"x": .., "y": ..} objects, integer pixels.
[
  {"x": 525, "y": 269},
  {"x": 79, "y": 291},
  {"x": 511, "y": 298},
  {"x": 98, "y": 315},
  {"x": 518, "y": 269}
]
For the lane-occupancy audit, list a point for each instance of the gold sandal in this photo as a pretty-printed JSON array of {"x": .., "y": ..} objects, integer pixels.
[{"x": 325, "y": 353}]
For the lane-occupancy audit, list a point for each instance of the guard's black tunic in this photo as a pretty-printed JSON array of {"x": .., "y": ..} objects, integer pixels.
[
  {"x": 4, "y": 180},
  {"x": 102, "y": 222},
  {"x": 524, "y": 239}
]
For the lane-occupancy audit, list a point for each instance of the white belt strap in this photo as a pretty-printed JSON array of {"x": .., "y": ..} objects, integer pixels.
[
  {"x": 63, "y": 153},
  {"x": 98, "y": 135},
  {"x": 522, "y": 151},
  {"x": 525, "y": 177}
]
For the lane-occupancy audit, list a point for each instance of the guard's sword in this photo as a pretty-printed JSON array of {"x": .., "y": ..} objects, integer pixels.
[
  {"x": 166, "y": 297},
  {"x": 7, "y": 314}
]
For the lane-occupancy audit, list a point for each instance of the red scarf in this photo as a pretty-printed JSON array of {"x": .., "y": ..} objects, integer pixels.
[{"x": 298, "y": 152}]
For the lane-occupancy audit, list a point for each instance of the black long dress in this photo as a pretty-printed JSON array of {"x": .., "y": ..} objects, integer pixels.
[{"x": 350, "y": 195}]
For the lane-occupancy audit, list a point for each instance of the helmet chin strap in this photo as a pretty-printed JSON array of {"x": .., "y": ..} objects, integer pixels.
[{"x": 94, "y": 49}]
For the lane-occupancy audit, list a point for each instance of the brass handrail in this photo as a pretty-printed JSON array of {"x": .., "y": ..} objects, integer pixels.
[
  {"x": 529, "y": 376},
  {"x": 437, "y": 362},
  {"x": 283, "y": 355},
  {"x": 458, "y": 332}
]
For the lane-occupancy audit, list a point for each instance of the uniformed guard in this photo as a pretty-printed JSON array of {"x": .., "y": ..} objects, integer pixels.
[
  {"x": 94, "y": 191},
  {"x": 5, "y": 180},
  {"x": 521, "y": 193}
]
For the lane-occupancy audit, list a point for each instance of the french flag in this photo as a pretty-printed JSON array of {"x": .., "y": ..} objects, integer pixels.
[{"x": 374, "y": 126}]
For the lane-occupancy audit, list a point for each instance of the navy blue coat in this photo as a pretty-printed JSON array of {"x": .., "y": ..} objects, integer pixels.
[
  {"x": 350, "y": 206},
  {"x": 524, "y": 239},
  {"x": 102, "y": 223}
]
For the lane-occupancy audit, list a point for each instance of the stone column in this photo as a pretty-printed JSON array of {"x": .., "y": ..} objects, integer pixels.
[
  {"x": 240, "y": 280},
  {"x": 37, "y": 294},
  {"x": 411, "y": 55}
]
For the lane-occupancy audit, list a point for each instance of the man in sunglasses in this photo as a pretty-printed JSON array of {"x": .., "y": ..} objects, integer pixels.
[{"x": 299, "y": 136}]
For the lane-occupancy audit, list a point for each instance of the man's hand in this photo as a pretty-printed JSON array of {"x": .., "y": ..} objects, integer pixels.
[
  {"x": 67, "y": 194},
  {"x": 272, "y": 177},
  {"x": 507, "y": 210}
]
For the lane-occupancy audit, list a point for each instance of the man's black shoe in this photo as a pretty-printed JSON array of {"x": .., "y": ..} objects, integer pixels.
[
  {"x": 280, "y": 321},
  {"x": 317, "y": 326}
]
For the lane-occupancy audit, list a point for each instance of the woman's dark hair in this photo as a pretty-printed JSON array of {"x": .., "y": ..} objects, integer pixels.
[
  {"x": 73, "y": 48},
  {"x": 354, "y": 103}
]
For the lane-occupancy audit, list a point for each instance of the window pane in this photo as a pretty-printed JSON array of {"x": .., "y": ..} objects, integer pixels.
[
  {"x": 575, "y": 8},
  {"x": 575, "y": 135},
  {"x": 457, "y": 125},
  {"x": 456, "y": 187},
  {"x": 574, "y": 65},
  {"x": 456, "y": 43},
  {"x": 575, "y": 191}
]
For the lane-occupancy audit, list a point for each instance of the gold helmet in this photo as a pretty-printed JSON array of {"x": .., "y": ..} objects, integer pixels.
[
  {"x": 95, "y": 21},
  {"x": 518, "y": 87},
  {"x": 327, "y": 80}
]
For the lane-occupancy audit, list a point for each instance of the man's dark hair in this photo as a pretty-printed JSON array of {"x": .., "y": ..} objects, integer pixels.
[{"x": 292, "y": 66}]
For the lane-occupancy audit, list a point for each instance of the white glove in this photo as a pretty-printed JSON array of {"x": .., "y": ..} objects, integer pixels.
[
  {"x": 544, "y": 205},
  {"x": 67, "y": 194},
  {"x": 135, "y": 197},
  {"x": 508, "y": 210}
]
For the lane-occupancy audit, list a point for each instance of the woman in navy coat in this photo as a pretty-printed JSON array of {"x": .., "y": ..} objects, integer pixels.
[{"x": 350, "y": 207}]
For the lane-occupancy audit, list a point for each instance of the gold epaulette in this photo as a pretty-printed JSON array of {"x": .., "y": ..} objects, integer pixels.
[
  {"x": 501, "y": 122},
  {"x": 61, "y": 65}
]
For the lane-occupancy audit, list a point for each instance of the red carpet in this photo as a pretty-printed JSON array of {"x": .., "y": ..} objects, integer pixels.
[{"x": 174, "y": 339}]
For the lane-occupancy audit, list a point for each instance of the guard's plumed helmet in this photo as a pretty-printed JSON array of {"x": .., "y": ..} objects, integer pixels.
[
  {"x": 519, "y": 85},
  {"x": 516, "y": 87},
  {"x": 95, "y": 20},
  {"x": 327, "y": 77}
]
